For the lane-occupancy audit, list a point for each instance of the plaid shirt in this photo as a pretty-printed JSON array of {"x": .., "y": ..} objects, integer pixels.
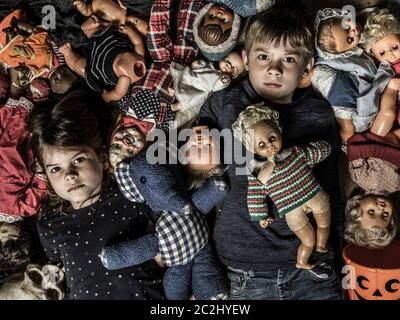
[
  {"x": 162, "y": 51},
  {"x": 180, "y": 238}
]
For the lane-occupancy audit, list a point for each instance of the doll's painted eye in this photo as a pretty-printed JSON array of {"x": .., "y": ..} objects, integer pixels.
[
  {"x": 261, "y": 144},
  {"x": 272, "y": 138},
  {"x": 211, "y": 16},
  {"x": 385, "y": 214},
  {"x": 350, "y": 40},
  {"x": 371, "y": 212},
  {"x": 381, "y": 53},
  {"x": 395, "y": 47},
  {"x": 224, "y": 20}
]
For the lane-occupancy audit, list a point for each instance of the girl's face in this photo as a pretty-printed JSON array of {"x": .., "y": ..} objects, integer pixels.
[
  {"x": 75, "y": 174},
  {"x": 377, "y": 211}
]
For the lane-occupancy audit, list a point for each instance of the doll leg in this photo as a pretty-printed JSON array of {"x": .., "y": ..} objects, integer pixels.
[
  {"x": 83, "y": 8},
  {"x": 298, "y": 222},
  {"x": 130, "y": 253},
  {"x": 177, "y": 281},
  {"x": 91, "y": 26},
  {"x": 209, "y": 281},
  {"x": 73, "y": 60},
  {"x": 140, "y": 24}
]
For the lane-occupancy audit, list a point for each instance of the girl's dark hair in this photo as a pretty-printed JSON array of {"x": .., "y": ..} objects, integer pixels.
[{"x": 80, "y": 119}]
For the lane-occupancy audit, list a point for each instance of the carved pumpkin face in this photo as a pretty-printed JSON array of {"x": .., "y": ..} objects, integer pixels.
[{"x": 377, "y": 286}]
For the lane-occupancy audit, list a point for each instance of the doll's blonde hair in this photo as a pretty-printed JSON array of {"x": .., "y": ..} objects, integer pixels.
[
  {"x": 248, "y": 118},
  {"x": 356, "y": 234},
  {"x": 378, "y": 26}
]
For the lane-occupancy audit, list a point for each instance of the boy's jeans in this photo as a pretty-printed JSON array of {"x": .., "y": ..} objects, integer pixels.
[{"x": 320, "y": 283}]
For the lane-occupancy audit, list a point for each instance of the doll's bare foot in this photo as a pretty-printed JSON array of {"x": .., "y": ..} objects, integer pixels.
[
  {"x": 265, "y": 223},
  {"x": 306, "y": 266},
  {"x": 74, "y": 61},
  {"x": 176, "y": 106},
  {"x": 158, "y": 260},
  {"x": 321, "y": 249}
]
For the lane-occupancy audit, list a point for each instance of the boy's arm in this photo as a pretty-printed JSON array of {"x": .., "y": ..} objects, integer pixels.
[{"x": 120, "y": 90}]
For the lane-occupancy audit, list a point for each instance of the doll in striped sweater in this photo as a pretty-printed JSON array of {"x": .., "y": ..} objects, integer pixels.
[{"x": 286, "y": 177}]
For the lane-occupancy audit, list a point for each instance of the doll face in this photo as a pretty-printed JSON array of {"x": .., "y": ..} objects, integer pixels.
[
  {"x": 125, "y": 144},
  {"x": 346, "y": 39},
  {"x": 376, "y": 211},
  {"x": 202, "y": 153},
  {"x": 61, "y": 80},
  {"x": 275, "y": 70},
  {"x": 76, "y": 175},
  {"x": 9, "y": 231},
  {"x": 220, "y": 15},
  {"x": 267, "y": 139},
  {"x": 232, "y": 65},
  {"x": 388, "y": 48}
]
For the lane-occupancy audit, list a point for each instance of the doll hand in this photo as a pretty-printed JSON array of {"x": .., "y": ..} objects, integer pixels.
[
  {"x": 107, "y": 96},
  {"x": 79, "y": 4},
  {"x": 125, "y": 29},
  {"x": 158, "y": 260},
  {"x": 265, "y": 223}
]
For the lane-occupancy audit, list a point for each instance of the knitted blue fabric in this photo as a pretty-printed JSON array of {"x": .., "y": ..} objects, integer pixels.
[{"x": 130, "y": 253}]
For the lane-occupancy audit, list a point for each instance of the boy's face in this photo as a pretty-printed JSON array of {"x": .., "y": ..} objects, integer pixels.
[
  {"x": 275, "y": 70},
  {"x": 346, "y": 39},
  {"x": 232, "y": 65},
  {"x": 220, "y": 15},
  {"x": 267, "y": 139},
  {"x": 388, "y": 48},
  {"x": 376, "y": 211},
  {"x": 75, "y": 174}
]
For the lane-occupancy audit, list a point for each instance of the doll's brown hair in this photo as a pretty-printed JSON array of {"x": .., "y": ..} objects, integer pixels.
[
  {"x": 325, "y": 37},
  {"x": 212, "y": 34}
]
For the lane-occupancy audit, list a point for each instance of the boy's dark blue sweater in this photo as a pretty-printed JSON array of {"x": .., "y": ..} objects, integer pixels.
[{"x": 241, "y": 243}]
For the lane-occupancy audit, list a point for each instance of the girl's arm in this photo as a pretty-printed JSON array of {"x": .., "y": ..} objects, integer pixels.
[{"x": 386, "y": 115}]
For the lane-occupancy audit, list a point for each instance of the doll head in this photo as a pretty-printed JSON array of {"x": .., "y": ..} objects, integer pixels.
[
  {"x": 370, "y": 221},
  {"x": 68, "y": 142},
  {"x": 128, "y": 139},
  {"x": 382, "y": 33},
  {"x": 332, "y": 37},
  {"x": 202, "y": 154},
  {"x": 61, "y": 79},
  {"x": 14, "y": 246},
  {"x": 216, "y": 25},
  {"x": 232, "y": 65},
  {"x": 258, "y": 129}
]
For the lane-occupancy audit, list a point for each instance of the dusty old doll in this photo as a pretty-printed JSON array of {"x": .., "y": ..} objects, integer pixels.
[
  {"x": 114, "y": 62},
  {"x": 374, "y": 163},
  {"x": 383, "y": 43},
  {"x": 287, "y": 178}
]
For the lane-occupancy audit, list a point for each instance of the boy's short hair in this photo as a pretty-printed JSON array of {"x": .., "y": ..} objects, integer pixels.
[
  {"x": 378, "y": 26},
  {"x": 282, "y": 22},
  {"x": 325, "y": 37},
  {"x": 212, "y": 34},
  {"x": 356, "y": 234}
]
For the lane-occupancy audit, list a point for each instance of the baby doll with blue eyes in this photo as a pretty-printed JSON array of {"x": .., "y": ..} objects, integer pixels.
[{"x": 287, "y": 178}]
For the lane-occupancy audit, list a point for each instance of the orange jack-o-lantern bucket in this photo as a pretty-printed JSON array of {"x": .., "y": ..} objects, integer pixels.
[{"x": 373, "y": 274}]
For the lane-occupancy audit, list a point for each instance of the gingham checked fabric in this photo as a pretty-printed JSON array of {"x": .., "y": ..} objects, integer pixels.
[
  {"x": 180, "y": 238},
  {"x": 163, "y": 51}
]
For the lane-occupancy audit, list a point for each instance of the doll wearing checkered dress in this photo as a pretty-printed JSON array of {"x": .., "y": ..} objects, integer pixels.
[{"x": 287, "y": 179}]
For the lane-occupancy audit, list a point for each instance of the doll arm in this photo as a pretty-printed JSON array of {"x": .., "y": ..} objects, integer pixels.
[
  {"x": 210, "y": 194},
  {"x": 129, "y": 253},
  {"x": 386, "y": 115},
  {"x": 316, "y": 152},
  {"x": 120, "y": 90},
  {"x": 134, "y": 37}
]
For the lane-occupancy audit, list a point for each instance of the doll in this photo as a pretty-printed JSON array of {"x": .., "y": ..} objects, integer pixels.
[
  {"x": 287, "y": 178},
  {"x": 115, "y": 61},
  {"x": 371, "y": 220},
  {"x": 112, "y": 12},
  {"x": 383, "y": 40},
  {"x": 344, "y": 74},
  {"x": 181, "y": 238},
  {"x": 36, "y": 283},
  {"x": 217, "y": 25},
  {"x": 192, "y": 86},
  {"x": 14, "y": 246}
]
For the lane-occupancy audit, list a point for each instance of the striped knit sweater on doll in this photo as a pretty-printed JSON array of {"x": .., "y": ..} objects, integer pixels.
[{"x": 287, "y": 178}]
